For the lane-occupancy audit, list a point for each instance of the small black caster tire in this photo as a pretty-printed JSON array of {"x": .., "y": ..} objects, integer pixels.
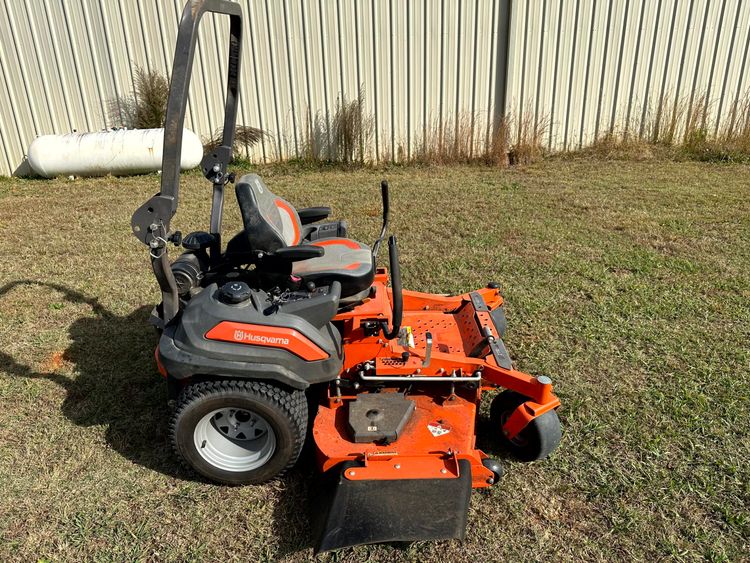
[
  {"x": 239, "y": 432},
  {"x": 496, "y": 467},
  {"x": 537, "y": 440}
]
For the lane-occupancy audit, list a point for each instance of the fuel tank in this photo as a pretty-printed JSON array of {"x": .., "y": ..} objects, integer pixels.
[
  {"x": 235, "y": 331},
  {"x": 121, "y": 152}
]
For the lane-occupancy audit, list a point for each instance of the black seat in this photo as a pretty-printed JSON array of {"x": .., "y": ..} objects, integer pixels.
[{"x": 272, "y": 223}]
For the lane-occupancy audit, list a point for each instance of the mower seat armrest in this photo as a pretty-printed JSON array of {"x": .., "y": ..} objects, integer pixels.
[
  {"x": 297, "y": 253},
  {"x": 313, "y": 214}
]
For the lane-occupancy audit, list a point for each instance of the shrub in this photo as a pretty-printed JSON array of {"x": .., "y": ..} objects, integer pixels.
[
  {"x": 343, "y": 139},
  {"x": 146, "y": 107},
  {"x": 245, "y": 137},
  {"x": 680, "y": 128}
]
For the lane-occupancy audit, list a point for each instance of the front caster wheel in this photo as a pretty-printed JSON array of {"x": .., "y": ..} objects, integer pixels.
[
  {"x": 496, "y": 468},
  {"x": 537, "y": 440},
  {"x": 239, "y": 432}
]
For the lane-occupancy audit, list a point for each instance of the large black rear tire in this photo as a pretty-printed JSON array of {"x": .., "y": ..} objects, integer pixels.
[
  {"x": 239, "y": 432},
  {"x": 537, "y": 440}
]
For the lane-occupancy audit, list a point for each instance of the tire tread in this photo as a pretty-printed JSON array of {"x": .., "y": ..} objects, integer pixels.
[{"x": 292, "y": 402}]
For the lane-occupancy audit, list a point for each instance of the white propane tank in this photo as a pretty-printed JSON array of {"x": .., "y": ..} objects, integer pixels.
[{"x": 121, "y": 152}]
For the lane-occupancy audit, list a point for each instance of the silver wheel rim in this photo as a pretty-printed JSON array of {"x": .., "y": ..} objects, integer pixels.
[{"x": 234, "y": 439}]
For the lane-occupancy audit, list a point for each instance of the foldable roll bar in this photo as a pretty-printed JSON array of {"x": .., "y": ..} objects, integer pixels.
[{"x": 150, "y": 222}]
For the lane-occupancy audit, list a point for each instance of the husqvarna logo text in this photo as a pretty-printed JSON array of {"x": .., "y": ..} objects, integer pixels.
[{"x": 246, "y": 336}]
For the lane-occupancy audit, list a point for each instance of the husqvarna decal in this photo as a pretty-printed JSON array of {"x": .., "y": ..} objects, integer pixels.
[{"x": 269, "y": 336}]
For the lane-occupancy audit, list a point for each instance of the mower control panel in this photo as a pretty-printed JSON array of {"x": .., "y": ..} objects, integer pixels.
[{"x": 328, "y": 230}]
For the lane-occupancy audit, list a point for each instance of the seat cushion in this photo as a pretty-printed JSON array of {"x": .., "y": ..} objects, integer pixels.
[{"x": 347, "y": 261}]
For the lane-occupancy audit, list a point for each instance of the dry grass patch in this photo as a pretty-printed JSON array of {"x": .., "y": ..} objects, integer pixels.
[{"x": 679, "y": 129}]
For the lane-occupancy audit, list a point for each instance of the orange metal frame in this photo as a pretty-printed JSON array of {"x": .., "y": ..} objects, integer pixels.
[{"x": 441, "y": 430}]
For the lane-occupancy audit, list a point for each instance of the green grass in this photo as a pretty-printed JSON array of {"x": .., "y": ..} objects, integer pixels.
[{"x": 627, "y": 282}]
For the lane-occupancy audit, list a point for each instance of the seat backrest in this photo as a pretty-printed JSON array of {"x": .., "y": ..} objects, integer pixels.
[{"x": 270, "y": 221}]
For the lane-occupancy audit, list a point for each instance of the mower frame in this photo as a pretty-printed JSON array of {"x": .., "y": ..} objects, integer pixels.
[{"x": 444, "y": 382}]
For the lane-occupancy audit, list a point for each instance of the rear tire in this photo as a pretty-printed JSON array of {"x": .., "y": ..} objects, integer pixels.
[
  {"x": 540, "y": 437},
  {"x": 239, "y": 432}
]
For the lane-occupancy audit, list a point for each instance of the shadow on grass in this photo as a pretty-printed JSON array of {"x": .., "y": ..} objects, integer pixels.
[{"x": 117, "y": 386}]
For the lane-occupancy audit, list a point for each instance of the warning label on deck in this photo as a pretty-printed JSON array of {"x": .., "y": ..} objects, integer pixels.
[{"x": 438, "y": 428}]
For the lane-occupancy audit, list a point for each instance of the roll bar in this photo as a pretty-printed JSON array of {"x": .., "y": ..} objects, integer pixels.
[{"x": 150, "y": 222}]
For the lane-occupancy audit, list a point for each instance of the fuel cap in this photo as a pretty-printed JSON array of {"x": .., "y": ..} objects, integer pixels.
[{"x": 234, "y": 292}]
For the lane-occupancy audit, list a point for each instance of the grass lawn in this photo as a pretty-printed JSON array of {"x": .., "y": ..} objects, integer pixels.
[{"x": 627, "y": 282}]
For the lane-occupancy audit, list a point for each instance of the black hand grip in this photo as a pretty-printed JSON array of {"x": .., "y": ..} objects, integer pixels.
[
  {"x": 297, "y": 253},
  {"x": 386, "y": 213},
  {"x": 313, "y": 214},
  {"x": 384, "y": 194},
  {"x": 396, "y": 291}
]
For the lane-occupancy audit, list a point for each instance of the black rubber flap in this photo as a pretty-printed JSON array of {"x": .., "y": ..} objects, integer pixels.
[{"x": 362, "y": 512}]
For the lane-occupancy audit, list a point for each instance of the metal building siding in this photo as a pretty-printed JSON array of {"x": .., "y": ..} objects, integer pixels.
[
  {"x": 584, "y": 66},
  {"x": 591, "y": 66}
]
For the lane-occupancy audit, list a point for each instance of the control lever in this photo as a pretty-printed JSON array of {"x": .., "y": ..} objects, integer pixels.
[
  {"x": 386, "y": 213},
  {"x": 428, "y": 351},
  {"x": 396, "y": 291}
]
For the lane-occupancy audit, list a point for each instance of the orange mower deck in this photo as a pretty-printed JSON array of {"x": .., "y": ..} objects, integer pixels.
[{"x": 441, "y": 429}]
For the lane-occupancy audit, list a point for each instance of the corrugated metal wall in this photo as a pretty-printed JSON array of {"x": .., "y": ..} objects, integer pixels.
[
  {"x": 415, "y": 62},
  {"x": 583, "y": 66}
]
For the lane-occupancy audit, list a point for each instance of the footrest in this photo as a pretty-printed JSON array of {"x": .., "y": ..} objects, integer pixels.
[
  {"x": 362, "y": 512},
  {"x": 377, "y": 417}
]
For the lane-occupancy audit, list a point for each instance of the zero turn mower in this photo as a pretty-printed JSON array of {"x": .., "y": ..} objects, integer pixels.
[{"x": 290, "y": 330}]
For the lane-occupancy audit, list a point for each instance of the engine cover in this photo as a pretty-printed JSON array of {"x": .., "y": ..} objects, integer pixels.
[{"x": 291, "y": 342}]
